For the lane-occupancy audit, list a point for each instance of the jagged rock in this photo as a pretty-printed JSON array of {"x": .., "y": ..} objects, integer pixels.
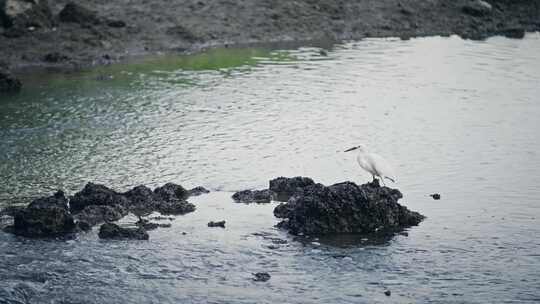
[
  {"x": 76, "y": 13},
  {"x": 198, "y": 191},
  {"x": 345, "y": 208},
  {"x": 8, "y": 83},
  {"x": 45, "y": 217},
  {"x": 95, "y": 214},
  {"x": 285, "y": 187},
  {"x": 95, "y": 194},
  {"x": 171, "y": 192},
  {"x": 216, "y": 224},
  {"x": 23, "y": 14},
  {"x": 113, "y": 231},
  {"x": 142, "y": 200},
  {"x": 477, "y": 8},
  {"x": 253, "y": 196}
]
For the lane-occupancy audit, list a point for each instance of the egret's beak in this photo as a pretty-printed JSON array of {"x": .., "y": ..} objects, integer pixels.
[{"x": 353, "y": 148}]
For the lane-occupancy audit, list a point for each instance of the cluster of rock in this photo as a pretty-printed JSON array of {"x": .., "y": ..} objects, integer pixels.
[
  {"x": 315, "y": 209},
  {"x": 57, "y": 215}
]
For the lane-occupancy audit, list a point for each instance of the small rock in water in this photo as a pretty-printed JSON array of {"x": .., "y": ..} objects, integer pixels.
[
  {"x": 253, "y": 196},
  {"x": 113, "y": 231},
  {"x": 436, "y": 196},
  {"x": 388, "y": 293},
  {"x": 261, "y": 276},
  {"x": 198, "y": 191},
  {"x": 217, "y": 224}
]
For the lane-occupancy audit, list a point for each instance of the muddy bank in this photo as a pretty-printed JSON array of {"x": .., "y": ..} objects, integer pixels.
[{"x": 100, "y": 32}]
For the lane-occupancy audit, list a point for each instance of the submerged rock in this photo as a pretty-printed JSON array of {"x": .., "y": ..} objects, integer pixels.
[
  {"x": 113, "y": 231},
  {"x": 45, "y": 217},
  {"x": 261, "y": 276},
  {"x": 147, "y": 225},
  {"x": 74, "y": 12},
  {"x": 217, "y": 224},
  {"x": 253, "y": 196},
  {"x": 345, "y": 208},
  {"x": 285, "y": 187}
]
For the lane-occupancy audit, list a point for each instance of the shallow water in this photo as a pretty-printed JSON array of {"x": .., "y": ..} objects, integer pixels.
[{"x": 455, "y": 117}]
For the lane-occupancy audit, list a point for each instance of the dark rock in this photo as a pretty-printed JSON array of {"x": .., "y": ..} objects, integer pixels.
[
  {"x": 285, "y": 187},
  {"x": 514, "y": 33},
  {"x": 171, "y": 192},
  {"x": 435, "y": 196},
  {"x": 23, "y": 14},
  {"x": 217, "y": 224},
  {"x": 253, "y": 196},
  {"x": 345, "y": 208},
  {"x": 142, "y": 200},
  {"x": 8, "y": 83},
  {"x": 45, "y": 217},
  {"x": 175, "y": 207},
  {"x": 261, "y": 276},
  {"x": 113, "y": 231},
  {"x": 76, "y": 13},
  {"x": 116, "y": 23},
  {"x": 83, "y": 226},
  {"x": 198, "y": 191},
  {"x": 95, "y": 214},
  {"x": 387, "y": 293},
  {"x": 477, "y": 8},
  {"x": 55, "y": 57},
  {"x": 95, "y": 194}
]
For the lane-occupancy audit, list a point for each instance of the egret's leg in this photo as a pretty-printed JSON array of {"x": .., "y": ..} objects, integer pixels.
[{"x": 382, "y": 181}]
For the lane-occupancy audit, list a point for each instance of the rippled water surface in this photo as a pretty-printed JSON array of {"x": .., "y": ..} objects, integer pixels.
[{"x": 455, "y": 117}]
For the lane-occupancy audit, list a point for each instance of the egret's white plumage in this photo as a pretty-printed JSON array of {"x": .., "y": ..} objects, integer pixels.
[{"x": 374, "y": 164}]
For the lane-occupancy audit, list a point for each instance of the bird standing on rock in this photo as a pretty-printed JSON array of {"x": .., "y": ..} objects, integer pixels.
[{"x": 374, "y": 164}]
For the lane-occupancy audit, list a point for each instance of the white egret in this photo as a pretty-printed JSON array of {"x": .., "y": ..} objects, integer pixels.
[{"x": 374, "y": 164}]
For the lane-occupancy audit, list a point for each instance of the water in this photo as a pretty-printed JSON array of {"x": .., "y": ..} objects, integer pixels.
[{"x": 455, "y": 117}]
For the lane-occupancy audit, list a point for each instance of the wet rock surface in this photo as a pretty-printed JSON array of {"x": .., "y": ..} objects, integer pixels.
[
  {"x": 24, "y": 14},
  {"x": 345, "y": 208},
  {"x": 95, "y": 214},
  {"x": 45, "y": 217},
  {"x": 115, "y": 232},
  {"x": 477, "y": 8},
  {"x": 74, "y": 12}
]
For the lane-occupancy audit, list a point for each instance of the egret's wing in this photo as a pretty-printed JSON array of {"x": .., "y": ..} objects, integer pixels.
[{"x": 381, "y": 166}]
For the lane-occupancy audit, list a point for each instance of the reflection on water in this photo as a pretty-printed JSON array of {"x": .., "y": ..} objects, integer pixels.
[{"x": 455, "y": 117}]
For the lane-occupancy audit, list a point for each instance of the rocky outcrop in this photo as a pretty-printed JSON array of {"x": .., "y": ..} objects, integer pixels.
[
  {"x": 75, "y": 13},
  {"x": 95, "y": 214},
  {"x": 285, "y": 187},
  {"x": 45, "y": 217},
  {"x": 8, "y": 83},
  {"x": 23, "y": 14},
  {"x": 98, "y": 195},
  {"x": 345, "y": 208},
  {"x": 115, "y": 232},
  {"x": 170, "y": 192}
]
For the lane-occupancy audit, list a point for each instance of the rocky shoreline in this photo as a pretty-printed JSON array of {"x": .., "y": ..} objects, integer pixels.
[
  {"x": 66, "y": 34},
  {"x": 308, "y": 208}
]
